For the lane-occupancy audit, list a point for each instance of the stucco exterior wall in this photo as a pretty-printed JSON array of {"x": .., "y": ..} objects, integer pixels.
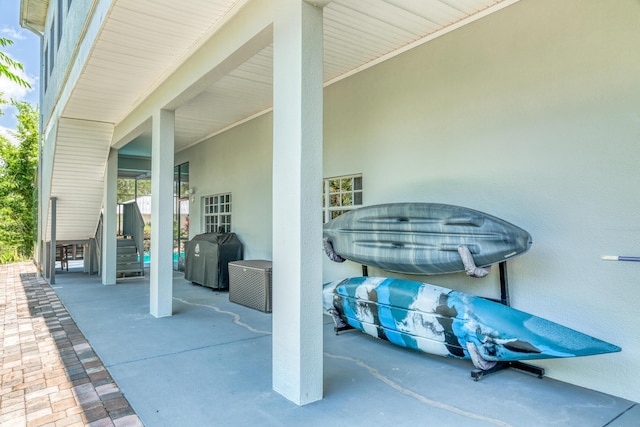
[
  {"x": 530, "y": 114},
  {"x": 237, "y": 162}
]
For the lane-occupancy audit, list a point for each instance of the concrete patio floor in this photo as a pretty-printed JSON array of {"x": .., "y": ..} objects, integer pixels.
[{"x": 210, "y": 365}]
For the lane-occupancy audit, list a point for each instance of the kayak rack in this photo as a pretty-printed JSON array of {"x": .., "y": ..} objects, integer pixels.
[{"x": 478, "y": 374}]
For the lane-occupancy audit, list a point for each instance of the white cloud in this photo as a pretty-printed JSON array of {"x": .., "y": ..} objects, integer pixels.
[
  {"x": 8, "y": 133},
  {"x": 12, "y": 33},
  {"x": 12, "y": 90}
]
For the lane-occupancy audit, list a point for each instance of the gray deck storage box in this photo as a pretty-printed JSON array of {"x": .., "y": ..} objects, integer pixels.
[
  {"x": 207, "y": 258},
  {"x": 250, "y": 284}
]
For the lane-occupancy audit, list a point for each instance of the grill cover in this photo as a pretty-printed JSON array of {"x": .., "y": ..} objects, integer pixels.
[{"x": 207, "y": 258}]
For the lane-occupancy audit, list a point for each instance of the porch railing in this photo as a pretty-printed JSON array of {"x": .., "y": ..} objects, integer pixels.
[
  {"x": 96, "y": 253},
  {"x": 133, "y": 226}
]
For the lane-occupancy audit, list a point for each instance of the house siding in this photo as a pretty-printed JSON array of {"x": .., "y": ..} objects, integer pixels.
[{"x": 74, "y": 18}]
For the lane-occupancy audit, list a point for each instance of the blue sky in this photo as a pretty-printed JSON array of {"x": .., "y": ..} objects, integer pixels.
[{"x": 25, "y": 49}]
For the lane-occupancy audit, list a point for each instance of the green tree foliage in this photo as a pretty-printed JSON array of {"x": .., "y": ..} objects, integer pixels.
[
  {"x": 18, "y": 164},
  {"x": 9, "y": 67},
  {"x": 127, "y": 188}
]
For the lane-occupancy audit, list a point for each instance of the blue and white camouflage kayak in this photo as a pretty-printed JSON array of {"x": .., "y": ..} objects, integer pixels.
[
  {"x": 422, "y": 238},
  {"x": 445, "y": 322}
]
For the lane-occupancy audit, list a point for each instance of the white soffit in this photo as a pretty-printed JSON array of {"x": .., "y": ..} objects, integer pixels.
[
  {"x": 33, "y": 14},
  {"x": 357, "y": 34},
  {"x": 143, "y": 41},
  {"x": 140, "y": 43},
  {"x": 362, "y": 33},
  {"x": 77, "y": 180}
]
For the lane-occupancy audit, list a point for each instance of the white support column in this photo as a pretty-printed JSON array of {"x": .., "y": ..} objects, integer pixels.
[
  {"x": 109, "y": 220},
  {"x": 161, "y": 268},
  {"x": 297, "y": 203}
]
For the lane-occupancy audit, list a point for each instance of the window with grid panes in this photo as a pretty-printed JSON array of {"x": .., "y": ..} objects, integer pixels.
[
  {"x": 341, "y": 194},
  {"x": 217, "y": 213}
]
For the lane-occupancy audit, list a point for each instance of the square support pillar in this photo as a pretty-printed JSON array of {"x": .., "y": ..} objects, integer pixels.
[
  {"x": 52, "y": 245},
  {"x": 297, "y": 202},
  {"x": 47, "y": 260},
  {"x": 109, "y": 220},
  {"x": 161, "y": 268}
]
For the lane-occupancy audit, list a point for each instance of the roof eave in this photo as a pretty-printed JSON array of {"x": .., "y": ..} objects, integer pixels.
[{"x": 33, "y": 15}]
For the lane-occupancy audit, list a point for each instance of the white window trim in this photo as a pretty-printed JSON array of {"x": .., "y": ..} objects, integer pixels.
[
  {"x": 327, "y": 209},
  {"x": 219, "y": 208}
]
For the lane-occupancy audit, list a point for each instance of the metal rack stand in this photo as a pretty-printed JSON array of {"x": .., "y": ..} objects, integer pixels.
[{"x": 478, "y": 374}]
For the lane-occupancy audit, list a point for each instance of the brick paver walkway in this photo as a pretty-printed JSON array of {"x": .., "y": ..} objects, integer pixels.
[{"x": 50, "y": 374}]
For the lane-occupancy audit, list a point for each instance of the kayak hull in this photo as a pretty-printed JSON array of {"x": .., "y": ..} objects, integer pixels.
[
  {"x": 444, "y": 322},
  {"x": 423, "y": 238}
]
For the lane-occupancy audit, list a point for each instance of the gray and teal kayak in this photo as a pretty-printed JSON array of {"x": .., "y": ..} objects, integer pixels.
[
  {"x": 422, "y": 238},
  {"x": 445, "y": 322}
]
